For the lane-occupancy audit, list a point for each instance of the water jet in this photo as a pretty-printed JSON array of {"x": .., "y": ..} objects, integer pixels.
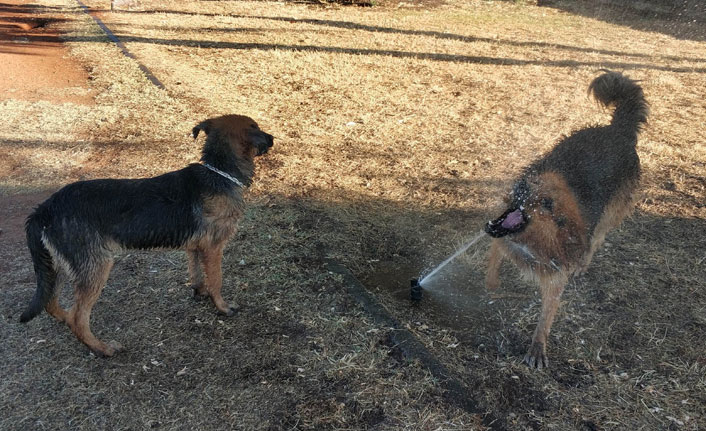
[{"x": 430, "y": 275}]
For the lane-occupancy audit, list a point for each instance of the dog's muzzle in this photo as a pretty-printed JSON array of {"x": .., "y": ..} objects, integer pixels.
[
  {"x": 262, "y": 141},
  {"x": 513, "y": 220}
]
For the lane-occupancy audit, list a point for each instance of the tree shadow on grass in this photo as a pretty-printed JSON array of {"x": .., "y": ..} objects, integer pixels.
[
  {"x": 462, "y": 58},
  {"x": 642, "y": 298},
  {"x": 639, "y": 306},
  {"x": 681, "y": 19},
  {"x": 349, "y": 25}
]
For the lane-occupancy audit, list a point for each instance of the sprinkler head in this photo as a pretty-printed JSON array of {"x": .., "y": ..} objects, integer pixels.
[{"x": 415, "y": 291}]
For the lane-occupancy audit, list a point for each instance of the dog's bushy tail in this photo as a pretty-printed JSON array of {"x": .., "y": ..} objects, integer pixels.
[
  {"x": 615, "y": 89},
  {"x": 44, "y": 267}
]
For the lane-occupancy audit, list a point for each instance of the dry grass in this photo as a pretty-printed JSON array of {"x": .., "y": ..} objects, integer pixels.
[{"x": 396, "y": 129}]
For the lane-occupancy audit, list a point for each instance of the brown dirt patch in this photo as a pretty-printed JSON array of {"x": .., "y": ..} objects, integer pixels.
[
  {"x": 35, "y": 63},
  {"x": 35, "y": 67}
]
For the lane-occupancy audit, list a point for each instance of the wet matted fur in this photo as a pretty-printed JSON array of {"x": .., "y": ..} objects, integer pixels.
[
  {"x": 73, "y": 235},
  {"x": 563, "y": 204}
]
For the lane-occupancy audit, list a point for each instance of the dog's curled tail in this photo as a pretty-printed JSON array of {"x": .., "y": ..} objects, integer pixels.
[
  {"x": 43, "y": 266},
  {"x": 615, "y": 89}
]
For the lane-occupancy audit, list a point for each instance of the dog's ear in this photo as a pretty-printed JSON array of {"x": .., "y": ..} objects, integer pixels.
[{"x": 204, "y": 125}]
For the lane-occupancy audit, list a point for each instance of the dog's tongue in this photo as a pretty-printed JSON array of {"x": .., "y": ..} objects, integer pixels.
[{"x": 512, "y": 220}]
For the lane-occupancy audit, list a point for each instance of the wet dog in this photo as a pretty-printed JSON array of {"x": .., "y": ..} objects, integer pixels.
[
  {"x": 72, "y": 235},
  {"x": 563, "y": 204}
]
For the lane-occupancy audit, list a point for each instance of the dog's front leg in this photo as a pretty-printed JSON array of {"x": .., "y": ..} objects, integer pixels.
[
  {"x": 196, "y": 276},
  {"x": 551, "y": 287},
  {"x": 212, "y": 258}
]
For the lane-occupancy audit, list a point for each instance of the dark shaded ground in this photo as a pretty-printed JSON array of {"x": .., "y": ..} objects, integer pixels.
[
  {"x": 631, "y": 326},
  {"x": 683, "y": 19},
  {"x": 625, "y": 350},
  {"x": 301, "y": 353}
]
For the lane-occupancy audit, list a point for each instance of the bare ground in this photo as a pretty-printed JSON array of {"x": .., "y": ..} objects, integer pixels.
[{"x": 397, "y": 128}]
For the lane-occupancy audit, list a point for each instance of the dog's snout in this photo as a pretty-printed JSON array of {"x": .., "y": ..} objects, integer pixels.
[{"x": 262, "y": 141}]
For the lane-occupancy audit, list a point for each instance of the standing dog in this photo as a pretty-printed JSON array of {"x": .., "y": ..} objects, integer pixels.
[
  {"x": 563, "y": 204},
  {"x": 73, "y": 234}
]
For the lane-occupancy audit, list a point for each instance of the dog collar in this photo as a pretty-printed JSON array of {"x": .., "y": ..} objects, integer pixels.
[{"x": 225, "y": 175}]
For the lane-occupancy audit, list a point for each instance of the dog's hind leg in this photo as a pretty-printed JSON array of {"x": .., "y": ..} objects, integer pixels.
[
  {"x": 196, "y": 276},
  {"x": 53, "y": 307},
  {"x": 495, "y": 257},
  {"x": 88, "y": 287},
  {"x": 619, "y": 208},
  {"x": 212, "y": 258},
  {"x": 551, "y": 288}
]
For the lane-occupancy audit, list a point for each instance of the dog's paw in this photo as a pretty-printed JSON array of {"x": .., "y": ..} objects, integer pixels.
[
  {"x": 200, "y": 292},
  {"x": 228, "y": 310},
  {"x": 115, "y": 345},
  {"x": 107, "y": 350},
  {"x": 232, "y": 311},
  {"x": 536, "y": 357},
  {"x": 492, "y": 285}
]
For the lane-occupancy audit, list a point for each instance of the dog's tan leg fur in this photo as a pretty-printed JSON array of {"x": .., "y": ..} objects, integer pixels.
[
  {"x": 551, "y": 288},
  {"x": 195, "y": 259},
  {"x": 615, "y": 212},
  {"x": 495, "y": 258},
  {"x": 212, "y": 258},
  {"x": 87, "y": 290},
  {"x": 53, "y": 307}
]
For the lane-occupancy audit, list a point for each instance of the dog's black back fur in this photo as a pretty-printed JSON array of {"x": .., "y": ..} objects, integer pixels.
[
  {"x": 597, "y": 162},
  {"x": 166, "y": 207}
]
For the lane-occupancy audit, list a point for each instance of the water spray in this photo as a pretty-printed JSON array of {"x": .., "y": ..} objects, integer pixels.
[
  {"x": 452, "y": 257},
  {"x": 416, "y": 290}
]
